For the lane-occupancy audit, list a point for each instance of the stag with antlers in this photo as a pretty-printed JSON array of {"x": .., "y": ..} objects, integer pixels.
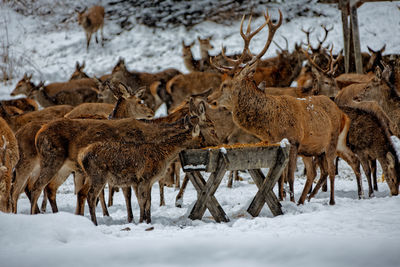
[{"x": 314, "y": 126}]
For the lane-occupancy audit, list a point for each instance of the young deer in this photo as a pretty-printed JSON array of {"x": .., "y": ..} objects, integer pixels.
[
  {"x": 136, "y": 80},
  {"x": 92, "y": 21},
  {"x": 8, "y": 159},
  {"x": 23, "y": 104},
  {"x": 142, "y": 164},
  {"x": 369, "y": 138},
  {"x": 314, "y": 126},
  {"x": 28, "y": 167},
  {"x": 184, "y": 85},
  {"x": 79, "y": 73},
  {"x": 17, "y": 121}
]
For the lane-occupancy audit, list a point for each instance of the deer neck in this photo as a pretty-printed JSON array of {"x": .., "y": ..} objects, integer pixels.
[
  {"x": 43, "y": 98},
  {"x": 190, "y": 63},
  {"x": 248, "y": 104}
]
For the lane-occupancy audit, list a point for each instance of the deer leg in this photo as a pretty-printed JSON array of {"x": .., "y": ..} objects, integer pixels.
[
  {"x": 291, "y": 168},
  {"x": 161, "y": 185},
  {"x": 308, "y": 164},
  {"x": 148, "y": 205},
  {"x": 28, "y": 193},
  {"x": 51, "y": 196},
  {"x": 44, "y": 200},
  {"x": 347, "y": 155},
  {"x": 92, "y": 195},
  {"x": 230, "y": 180},
  {"x": 281, "y": 184},
  {"x": 331, "y": 172},
  {"x": 102, "y": 36},
  {"x": 88, "y": 37},
  {"x": 177, "y": 171},
  {"x": 367, "y": 171},
  {"x": 111, "y": 191},
  {"x": 127, "y": 191},
  {"x": 323, "y": 165},
  {"x": 179, "y": 197},
  {"x": 103, "y": 203},
  {"x": 373, "y": 171},
  {"x": 81, "y": 198}
]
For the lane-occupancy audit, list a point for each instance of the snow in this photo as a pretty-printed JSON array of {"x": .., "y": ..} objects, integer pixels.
[
  {"x": 284, "y": 143},
  {"x": 352, "y": 233}
]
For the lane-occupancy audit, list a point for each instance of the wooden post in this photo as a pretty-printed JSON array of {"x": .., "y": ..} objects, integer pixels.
[
  {"x": 207, "y": 191},
  {"x": 356, "y": 36},
  {"x": 343, "y": 4}
]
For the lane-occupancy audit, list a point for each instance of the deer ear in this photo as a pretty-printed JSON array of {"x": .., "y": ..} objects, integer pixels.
[
  {"x": 378, "y": 73},
  {"x": 77, "y": 66},
  {"x": 192, "y": 107},
  {"x": 390, "y": 158},
  {"x": 123, "y": 89},
  {"x": 186, "y": 121},
  {"x": 141, "y": 92},
  {"x": 202, "y": 110},
  {"x": 83, "y": 65},
  {"x": 370, "y": 50},
  {"x": 196, "y": 131},
  {"x": 383, "y": 49}
]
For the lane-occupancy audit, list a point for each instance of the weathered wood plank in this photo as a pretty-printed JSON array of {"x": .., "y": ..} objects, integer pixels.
[
  {"x": 212, "y": 203},
  {"x": 268, "y": 183},
  {"x": 208, "y": 190},
  {"x": 269, "y": 196},
  {"x": 242, "y": 158},
  {"x": 346, "y": 33},
  {"x": 356, "y": 36}
]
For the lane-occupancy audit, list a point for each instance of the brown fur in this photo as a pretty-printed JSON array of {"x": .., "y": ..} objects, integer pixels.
[
  {"x": 28, "y": 167},
  {"x": 79, "y": 73},
  {"x": 99, "y": 109},
  {"x": 92, "y": 21},
  {"x": 136, "y": 80},
  {"x": 9, "y": 157},
  {"x": 347, "y": 79},
  {"x": 50, "y": 113},
  {"x": 382, "y": 91},
  {"x": 142, "y": 164},
  {"x": 184, "y": 85},
  {"x": 23, "y": 104},
  {"x": 51, "y": 142},
  {"x": 312, "y": 125}
]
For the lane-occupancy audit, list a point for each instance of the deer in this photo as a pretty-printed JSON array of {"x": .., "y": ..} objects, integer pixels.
[
  {"x": 143, "y": 163},
  {"x": 184, "y": 85},
  {"x": 136, "y": 80},
  {"x": 79, "y": 73},
  {"x": 80, "y": 133},
  {"x": 23, "y": 104},
  {"x": 17, "y": 121},
  {"x": 314, "y": 126},
  {"x": 25, "y": 86},
  {"x": 92, "y": 21},
  {"x": 382, "y": 90},
  {"x": 65, "y": 97},
  {"x": 370, "y": 139},
  {"x": 9, "y": 157},
  {"x": 227, "y": 131},
  {"x": 27, "y": 169}
]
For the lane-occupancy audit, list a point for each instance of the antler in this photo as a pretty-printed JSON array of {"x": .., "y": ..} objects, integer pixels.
[
  {"x": 326, "y": 30},
  {"x": 331, "y": 64},
  {"x": 308, "y": 32},
  {"x": 286, "y": 42},
  {"x": 247, "y": 38}
]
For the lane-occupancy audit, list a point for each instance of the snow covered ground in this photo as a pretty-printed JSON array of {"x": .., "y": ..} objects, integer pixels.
[{"x": 351, "y": 233}]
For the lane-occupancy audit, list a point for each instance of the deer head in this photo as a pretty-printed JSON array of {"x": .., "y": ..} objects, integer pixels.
[
  {"x": 230, "y": 87},
  {"x": 24, "y": 86}
]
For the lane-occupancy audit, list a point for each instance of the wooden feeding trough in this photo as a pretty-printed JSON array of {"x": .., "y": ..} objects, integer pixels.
[{"x": 218, "y": 160}]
